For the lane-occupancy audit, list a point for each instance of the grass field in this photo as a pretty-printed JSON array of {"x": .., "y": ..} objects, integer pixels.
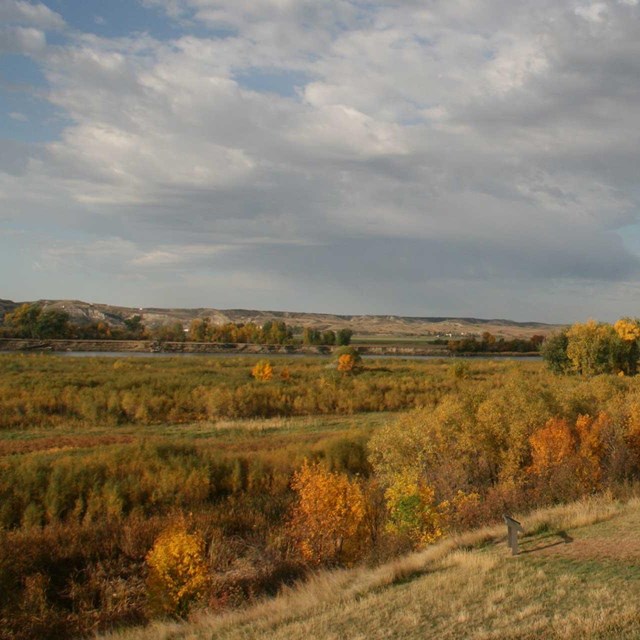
[
  {"x": 578, "y": 576},
  {"x": 99, "y": 457}
]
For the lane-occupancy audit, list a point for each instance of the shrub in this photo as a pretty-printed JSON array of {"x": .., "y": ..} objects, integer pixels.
[
  {"x": 262, "y": 371},
  {"x": 178, "y": 575},
  {"x": 326, "y": 520}
]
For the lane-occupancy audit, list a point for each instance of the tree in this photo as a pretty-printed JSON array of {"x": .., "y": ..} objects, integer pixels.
[
  {"x": 412, "y": 509},
  {"x": 199, "y": 330},
  {"x": 551, "y": 446},
  {"x": 348, "y": 359},
  {"x": 134, "y": 326},
  {"x": 328, "y": 337},
  {"x": 343, "y": 337},
  {"x": 52, "y": 323},
  {"x": 554, "y": 352},
  {"x": 327, "y": 516},
  {"x": 346, "y": 363},
  {"x": 24, "y": 319},
  {"x": 178, "y": 574},
  {"x": 262, "y": 371},
  {"x": 628, "y": 330},
  {"x": 31, "y": 321},
  {"x": 311, "y": 336},
  {"x": 595, "y": 347}
]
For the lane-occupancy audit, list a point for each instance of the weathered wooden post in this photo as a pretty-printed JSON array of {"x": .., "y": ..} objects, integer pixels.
[{"x": 513, "y": 527}]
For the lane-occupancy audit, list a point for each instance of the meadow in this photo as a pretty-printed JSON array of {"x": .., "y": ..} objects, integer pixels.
[
  {"x": 577, "y": 577},
  {"x": 101, "y": 460}
]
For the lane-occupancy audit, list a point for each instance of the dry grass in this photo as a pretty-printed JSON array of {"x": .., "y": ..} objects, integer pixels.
[{"x": 467, "y": 586}]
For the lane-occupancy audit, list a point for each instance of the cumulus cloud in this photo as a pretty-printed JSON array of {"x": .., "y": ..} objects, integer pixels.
[
  {"x": 481, "y": 146},
  {"x": 25, "y": 40},
  {"x": 28, "y": 13}
]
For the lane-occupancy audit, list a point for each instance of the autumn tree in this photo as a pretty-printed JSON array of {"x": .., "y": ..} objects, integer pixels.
[
  {"x": 348, "y": 360},
  {"x": 199, "y": 330},
  {"x": 31, "y": 321},
  {"x": 311, "y": 336},
  {"x": 23, "y": 320},
  {"x": 178, "y": 574},
  {"x": 595, "y": 347},
  {"x": 555, "y": 462},
  {"x": 413, "y": 510},
  {"x": 591, "y": 449},
  {"x": 628, "y": 329},
  {"x": 171, "y": 332},
  {"x": 551, "y": 446},
  {"x": 262, "y": 371},
  {"x": 327, "y": 516}
]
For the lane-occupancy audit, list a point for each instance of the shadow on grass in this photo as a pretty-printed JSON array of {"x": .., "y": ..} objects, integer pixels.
[{"x": 565, "y": 538}]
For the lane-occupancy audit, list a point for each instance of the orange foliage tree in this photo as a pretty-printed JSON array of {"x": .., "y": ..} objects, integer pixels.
[
  {"x": 346, "y": 363},
  {"x": 263, "y": 371},
  {"x": 551, "y": 446},
  {"x": 327, "y": 517},
  {"x": 591, "y": 449}
]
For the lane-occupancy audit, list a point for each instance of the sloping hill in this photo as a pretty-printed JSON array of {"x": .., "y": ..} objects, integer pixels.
[
  {"x": 578, "y": 576},
  {"x": 374, "y": 325}
]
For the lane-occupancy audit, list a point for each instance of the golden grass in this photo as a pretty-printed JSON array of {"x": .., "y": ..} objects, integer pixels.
[{"x": 467, "y": 586}]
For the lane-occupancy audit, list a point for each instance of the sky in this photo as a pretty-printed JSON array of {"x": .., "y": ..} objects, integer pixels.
[{"x": 407, "y": 157}]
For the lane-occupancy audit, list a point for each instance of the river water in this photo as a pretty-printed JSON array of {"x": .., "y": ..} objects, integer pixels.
[{"x": 267, "y": 356}]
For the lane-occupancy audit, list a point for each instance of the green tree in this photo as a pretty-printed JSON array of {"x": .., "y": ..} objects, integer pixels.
[
  {"x": 24, "y": 320},
  {"x": 134, "y": 326},
  {"x": 328, "y": 337},
  {"x": 554, "y": 352},
  {"x": 311, "y": 336},
  {"x": 343, "y": 337},
  {"x": 52, "y": 323}
]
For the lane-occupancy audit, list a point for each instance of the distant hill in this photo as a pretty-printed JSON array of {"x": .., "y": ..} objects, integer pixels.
[{"x": 374, "y": 325}]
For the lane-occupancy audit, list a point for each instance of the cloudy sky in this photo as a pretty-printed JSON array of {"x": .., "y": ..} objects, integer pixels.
[{"x": 414, "y": 157}]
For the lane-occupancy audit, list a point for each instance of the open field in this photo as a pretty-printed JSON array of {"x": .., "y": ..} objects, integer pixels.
[
  {"x": 100, "y": 457},
  {"x": 578, "y": 576}
]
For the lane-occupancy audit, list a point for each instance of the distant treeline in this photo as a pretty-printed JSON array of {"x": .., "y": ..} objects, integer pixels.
[
  {"x": 34, "y": 321},
  {"x": 594, "y": 348},
  {"x": 491, "y": 344}
]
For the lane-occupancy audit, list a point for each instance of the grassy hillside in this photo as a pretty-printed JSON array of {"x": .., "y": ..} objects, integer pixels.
[
  {"x": 365, "y": 326},
  {"x": 578, "y": 576}
]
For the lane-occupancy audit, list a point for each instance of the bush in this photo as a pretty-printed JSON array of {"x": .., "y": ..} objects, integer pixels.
[{"x": 178, "y": 576}]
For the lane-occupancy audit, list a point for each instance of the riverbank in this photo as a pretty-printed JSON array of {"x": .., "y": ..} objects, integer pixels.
[{"x": 154, "y": 346}]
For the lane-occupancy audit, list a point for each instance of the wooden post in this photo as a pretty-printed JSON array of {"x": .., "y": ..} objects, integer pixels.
[{"x": 513, "y": 527}]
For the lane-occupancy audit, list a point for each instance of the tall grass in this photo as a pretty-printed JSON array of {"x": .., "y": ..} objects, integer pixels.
[
  {"x": 98, "y": 457},
  {"x": 467, "y": 586}
]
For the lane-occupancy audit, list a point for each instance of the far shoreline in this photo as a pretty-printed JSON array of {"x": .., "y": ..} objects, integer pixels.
[{"x": 23, "y": 345}]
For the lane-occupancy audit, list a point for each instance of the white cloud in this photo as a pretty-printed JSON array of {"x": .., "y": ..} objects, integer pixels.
[
  {"x": 502, "y": 136},
  {"x": 24, "y": 40},
  {"x": 28, "y": 13}
]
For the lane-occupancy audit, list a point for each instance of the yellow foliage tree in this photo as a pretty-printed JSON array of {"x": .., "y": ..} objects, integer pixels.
[
  {"x": 327, "y": 517},
  {"x": 413, "y": 510},
  {"x": 263, "y": 371},
  {"x": 627, "y": 329},
  {"x": 178, "y": 575}
]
